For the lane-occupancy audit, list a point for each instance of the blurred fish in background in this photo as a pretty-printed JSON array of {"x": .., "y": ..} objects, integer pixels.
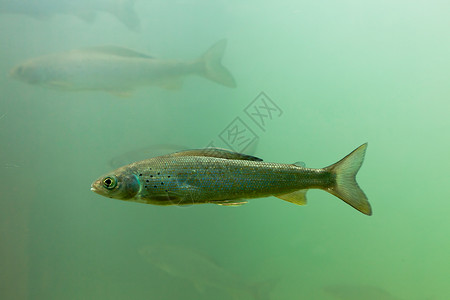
[
  {"x": 119, "y": 70},
  {"x": 202, "y": 272},
  {"x": 87, "y": 10}
]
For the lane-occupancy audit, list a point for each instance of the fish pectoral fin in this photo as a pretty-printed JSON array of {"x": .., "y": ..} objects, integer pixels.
[
  {"x": 230, "y": 202},
  {"x": 164, "y": 199},
  {"x": 297, "y": 197},
  {"x": 217, "y": 152}
]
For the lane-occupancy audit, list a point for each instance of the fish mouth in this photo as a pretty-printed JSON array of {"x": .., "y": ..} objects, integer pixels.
[{"x": 96, "y": 186}]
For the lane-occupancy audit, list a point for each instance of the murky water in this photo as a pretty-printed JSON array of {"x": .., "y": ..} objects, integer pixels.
[{"x": 315, "y": 79}]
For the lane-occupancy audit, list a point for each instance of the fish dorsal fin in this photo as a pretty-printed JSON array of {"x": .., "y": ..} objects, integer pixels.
[
  {"x": 117, "y": 51},
  {"x": 297, "y": 197},
  {"x": 218, "y": 153}
]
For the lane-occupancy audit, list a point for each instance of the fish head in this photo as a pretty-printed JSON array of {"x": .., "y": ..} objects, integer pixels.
[
  {"x": 28, "y": 72},
  {"x": 117, "y": 185}
]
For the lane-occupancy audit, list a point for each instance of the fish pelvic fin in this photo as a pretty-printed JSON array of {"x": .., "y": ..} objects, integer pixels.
[
  {"x": 212, "y": 67},
  {"x": 346, "y": 187}
]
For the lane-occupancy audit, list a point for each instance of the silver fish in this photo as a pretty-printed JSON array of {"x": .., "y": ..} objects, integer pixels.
[
  {"x": 119, "y": 70},
  {"x": 84, "y": 9},
  {"x": 223, "y": 177}
]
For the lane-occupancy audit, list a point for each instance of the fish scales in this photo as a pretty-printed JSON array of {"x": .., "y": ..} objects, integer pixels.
[
  {"x": 224, "y": 177},
  {"x": 200, "y": 178}
]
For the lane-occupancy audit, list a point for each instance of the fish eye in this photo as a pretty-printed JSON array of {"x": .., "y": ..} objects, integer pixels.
[{"x": 109, "y": 182}]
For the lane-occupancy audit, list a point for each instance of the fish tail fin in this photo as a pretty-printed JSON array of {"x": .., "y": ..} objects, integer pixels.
[
  {"x": 212, "y": 67},
  {"x": 124, "y": 11},
  {"x": 346, "y": 187}
]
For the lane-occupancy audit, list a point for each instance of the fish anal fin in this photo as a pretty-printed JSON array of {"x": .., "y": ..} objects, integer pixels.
[
  {"x": 230, "y": 202},
  {"x": 297, "y": 197},
  {"x": 218, "y": 153}
]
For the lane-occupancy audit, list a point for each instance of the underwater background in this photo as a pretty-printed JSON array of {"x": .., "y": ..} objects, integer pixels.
[{"x": 333, "y": 75}]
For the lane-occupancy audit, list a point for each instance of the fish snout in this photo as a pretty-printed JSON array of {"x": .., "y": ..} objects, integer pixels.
[{"x": 95, "y": 187}]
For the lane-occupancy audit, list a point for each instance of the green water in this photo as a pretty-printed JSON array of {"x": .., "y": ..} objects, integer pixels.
[{"x": 340, "y": 72}]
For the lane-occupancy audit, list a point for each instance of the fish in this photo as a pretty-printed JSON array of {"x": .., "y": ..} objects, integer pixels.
[
  {"x": 86, "y": 10},
  {"x": 202, "y": 272},
  {"x": 119, "y": 70},
  {"x": 225, "y": 177}
]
